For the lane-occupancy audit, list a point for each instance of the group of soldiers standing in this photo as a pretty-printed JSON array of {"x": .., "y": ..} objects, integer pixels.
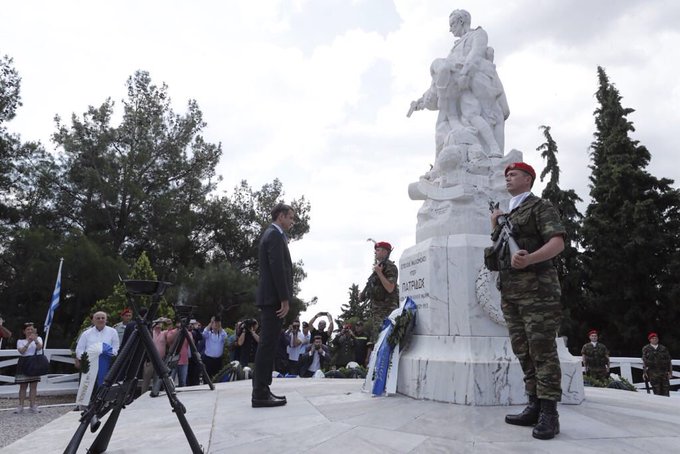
[{"x": 656, "y": 362}]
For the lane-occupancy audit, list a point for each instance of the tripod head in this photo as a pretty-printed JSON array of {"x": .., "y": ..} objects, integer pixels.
[{"x": 184, "y": 313}]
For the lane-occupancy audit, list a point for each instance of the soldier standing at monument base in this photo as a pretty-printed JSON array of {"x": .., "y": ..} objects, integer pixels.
[
  {"x": 530, "y": 296},
  {"x": 657, "y": 365},
  {"x": 595, "y": 357},
  {"x": 382, "y": 287}
]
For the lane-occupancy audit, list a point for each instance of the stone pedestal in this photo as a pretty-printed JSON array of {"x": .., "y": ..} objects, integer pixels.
[{"x": 460, "y": 351}]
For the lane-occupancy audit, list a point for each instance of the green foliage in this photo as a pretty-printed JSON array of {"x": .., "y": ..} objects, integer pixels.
[
  {"x": 115, "y": 189},
  {"x": 114, "y": 304},
  {"x": 568, "y": 263},
  {"x": 140, "y": 185},
  {"x": 354, "y": 310},
  {"x": 608, "y": 382},
  {"x": 630, "y": 236}
]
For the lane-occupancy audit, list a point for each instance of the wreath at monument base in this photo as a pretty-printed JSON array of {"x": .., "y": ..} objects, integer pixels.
[{"x": 401, "y": 333}]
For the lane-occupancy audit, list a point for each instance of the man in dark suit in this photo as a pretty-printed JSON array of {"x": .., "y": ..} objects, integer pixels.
[{"x": 274, "y": 291}]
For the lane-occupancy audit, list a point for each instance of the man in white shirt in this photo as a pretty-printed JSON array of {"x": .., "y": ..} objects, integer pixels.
[
  {"x": 297, "y": 343},
  {"x": 97, "y": 333}
]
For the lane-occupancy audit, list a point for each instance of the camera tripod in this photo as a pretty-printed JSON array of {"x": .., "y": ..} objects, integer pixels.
[
  {"x": 114, "y": 394},
  {"x": 172, "y": 356}
]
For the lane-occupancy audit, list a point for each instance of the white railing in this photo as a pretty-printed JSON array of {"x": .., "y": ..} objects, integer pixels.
[
  {"x": 626, "y": 366},
  {"x": 9, "y": 357},
  {"x": 61, "y": 355}
]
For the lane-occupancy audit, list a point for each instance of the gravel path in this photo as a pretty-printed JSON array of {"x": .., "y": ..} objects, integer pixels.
[{"x": 14, "y": 426}]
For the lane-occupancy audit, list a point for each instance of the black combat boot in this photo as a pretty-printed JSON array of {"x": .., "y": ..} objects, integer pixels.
[
  {"x": 548, "y": 422},
  {"x": 529, "y": 415}
]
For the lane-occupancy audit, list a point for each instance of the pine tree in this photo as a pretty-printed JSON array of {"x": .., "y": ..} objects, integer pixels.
[
  {"x": 114, "y": 304},
  {"x": 569, "y": 267},
  {"x": 354, "y": 310},
  {"x": 630, "y": 235}
]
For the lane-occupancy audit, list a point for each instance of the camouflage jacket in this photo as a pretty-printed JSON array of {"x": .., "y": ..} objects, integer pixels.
[
  {"x": 656, "y": 359},
  {"x": 534, "y": 223},
  {"x": 595, "y": 357},
  {"x": 375, "y": 291}
]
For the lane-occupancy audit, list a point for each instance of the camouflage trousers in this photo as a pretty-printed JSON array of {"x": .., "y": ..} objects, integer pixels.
[
  {"x": 532, "y": 324},
  {"x": 661, "y": 385}
]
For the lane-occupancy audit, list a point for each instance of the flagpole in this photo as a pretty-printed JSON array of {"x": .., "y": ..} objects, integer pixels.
[{"x": 54, "y": 304}]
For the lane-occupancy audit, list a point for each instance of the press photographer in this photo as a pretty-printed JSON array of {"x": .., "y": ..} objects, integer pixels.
[{"x": 248, "y": 340}]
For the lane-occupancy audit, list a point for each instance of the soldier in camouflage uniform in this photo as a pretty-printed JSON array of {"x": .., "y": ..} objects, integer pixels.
[
  {"x": 530, "y": 297},
  {"x": 382, "y": 288},
  {"x": 595, "y": 357},
  {"x": 657, "y": 366}
]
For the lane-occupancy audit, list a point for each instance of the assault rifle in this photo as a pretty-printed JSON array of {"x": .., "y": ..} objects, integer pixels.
[{"x": 504, "y": 235}]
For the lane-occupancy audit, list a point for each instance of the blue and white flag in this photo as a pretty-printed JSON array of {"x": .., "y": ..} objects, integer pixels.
[{"x": 54, "y": 304}]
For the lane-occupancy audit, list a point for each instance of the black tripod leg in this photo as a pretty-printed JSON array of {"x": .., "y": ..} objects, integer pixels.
[
  {"x": 195, "y": 354},
  {"x": 72, "y": 447},
  {"x": 101, "y": 443},
  {"x": 177, "y": 407}
]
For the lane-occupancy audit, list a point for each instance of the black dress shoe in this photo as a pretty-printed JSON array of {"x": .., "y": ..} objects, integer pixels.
[
  {"x": 277, "y": 397},
  {"x": 270, "y": 401}
]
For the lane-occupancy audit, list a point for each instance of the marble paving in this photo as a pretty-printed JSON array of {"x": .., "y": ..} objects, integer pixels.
[{"x": 334, "y": 416}]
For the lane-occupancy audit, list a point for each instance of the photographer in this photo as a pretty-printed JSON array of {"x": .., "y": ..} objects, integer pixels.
[
  {"x": 214, "y": 337},
  {"x": 296, "y": 345},
  {"x": 247, "y": 341},
  {"x": 322, "y": 331},
  {"x": 344, "y": 346},
  {"x": 194, "y": 371},
  {"x": 316, "y": 357}
]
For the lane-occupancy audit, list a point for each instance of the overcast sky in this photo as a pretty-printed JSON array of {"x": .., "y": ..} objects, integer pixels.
[{"x": 315, "y": 92}]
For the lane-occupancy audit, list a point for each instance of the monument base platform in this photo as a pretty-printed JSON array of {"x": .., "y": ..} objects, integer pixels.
[
  {"x": 475, "y": 370},
  {"x": 333, "y": 416}
]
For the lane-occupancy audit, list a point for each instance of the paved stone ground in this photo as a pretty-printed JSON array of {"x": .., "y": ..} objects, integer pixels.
[
  {"x": 334, "y": 416},
  {"x": 15, "y": 426}
]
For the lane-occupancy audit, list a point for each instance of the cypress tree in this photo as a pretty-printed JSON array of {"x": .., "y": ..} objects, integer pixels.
[
  {"x": 630, "y": 235},
  {"x": 568, "y": 263}
]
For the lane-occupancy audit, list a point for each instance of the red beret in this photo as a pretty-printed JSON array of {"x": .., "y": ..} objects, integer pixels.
[
  {"x": 384, "y": 245},
  {"x": 523, "y": 166},
  {"x": 650, "y": 335},
  {"x": 592, "y": 331},
  {"x": 125, "y": 311}
]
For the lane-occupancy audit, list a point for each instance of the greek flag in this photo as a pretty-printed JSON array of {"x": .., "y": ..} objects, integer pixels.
[{"x": 54, "y": 304}]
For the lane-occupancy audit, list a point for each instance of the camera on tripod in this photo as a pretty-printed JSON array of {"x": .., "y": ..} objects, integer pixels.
[{"x": 184, "y": 312}]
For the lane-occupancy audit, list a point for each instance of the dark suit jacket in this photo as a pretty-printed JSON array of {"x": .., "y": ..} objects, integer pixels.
[
  {"x": 276, "y": 269},
  {"x": 306, "y": 359}
]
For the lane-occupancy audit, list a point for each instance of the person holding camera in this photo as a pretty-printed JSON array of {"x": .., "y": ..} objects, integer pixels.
[
  {"x": 27, "y": 347},
  {"x": 297, "y": 343},
  {"x": 214, "y": 337},
  {"x": 344, "y": 344},
  {"x": 322, "y": 331},
  {"x": 316, "y": 357},
  {"x": 247, "y": 341}
]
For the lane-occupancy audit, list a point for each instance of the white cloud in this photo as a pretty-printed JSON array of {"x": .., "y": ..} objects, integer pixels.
[{"x": 319, "y": 100}]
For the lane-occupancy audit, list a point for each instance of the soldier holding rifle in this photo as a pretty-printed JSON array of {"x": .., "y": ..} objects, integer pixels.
[
  {"x": 382, "y": 287},
  {"x": 530, "y": 295}
]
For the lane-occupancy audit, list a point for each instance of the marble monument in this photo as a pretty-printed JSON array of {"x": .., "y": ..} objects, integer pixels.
[{"x": 461, "y": 351}]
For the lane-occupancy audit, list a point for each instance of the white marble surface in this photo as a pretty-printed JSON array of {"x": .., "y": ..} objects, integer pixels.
[
  {"x": 333, "y": 416},
  {"x": 475, "y": 370},
  {"x": 459, "y": 354}
]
